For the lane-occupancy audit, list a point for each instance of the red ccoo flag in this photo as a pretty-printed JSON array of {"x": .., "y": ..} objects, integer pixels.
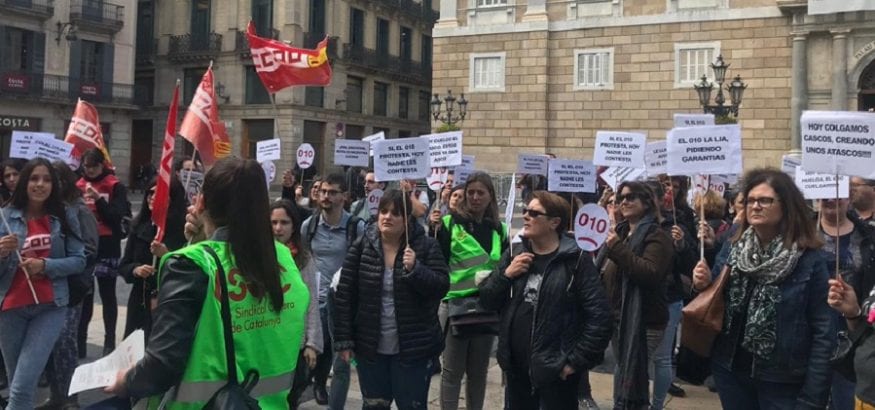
[
  {"x": 84, "y": 131},
  {"x": 161, "y": 201},
  {"x": 201, "y": 125},
  {"x": 280, "y": 65}
]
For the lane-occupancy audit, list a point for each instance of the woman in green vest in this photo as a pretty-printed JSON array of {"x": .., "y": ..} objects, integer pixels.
[
  {"x": 472, "y": 239},
  {"x": 268, "y": 301}
]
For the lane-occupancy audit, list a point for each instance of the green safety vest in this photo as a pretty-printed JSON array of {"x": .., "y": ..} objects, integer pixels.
[
  {"x": 264, "y": 340},
  {"x": 467, "y": 258}
]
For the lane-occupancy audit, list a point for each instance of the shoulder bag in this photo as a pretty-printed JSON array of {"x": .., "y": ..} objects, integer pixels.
[{"x": 703, "y": 317}]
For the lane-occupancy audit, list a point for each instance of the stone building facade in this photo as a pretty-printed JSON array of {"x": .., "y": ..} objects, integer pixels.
[
  {"x": 545, "y": 75},
  {"x": 380, "y": 53},
  {"x": 53, "y": 52}
]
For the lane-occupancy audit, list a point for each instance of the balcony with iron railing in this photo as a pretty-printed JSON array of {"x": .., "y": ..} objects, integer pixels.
[
  {"x": 242, "y": 42},
  {"x": 377, "y": 62},
  {"x": 48, "y": 87},
  {"x": 413, "y": 9},
  {"x": 194, "y": 47},
  {"x": 97, "y": 15},
  {"x": 39, "y": 9}
]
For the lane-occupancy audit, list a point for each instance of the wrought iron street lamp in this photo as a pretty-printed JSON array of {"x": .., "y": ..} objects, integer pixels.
[
  {"x": 448, "y": 114},
  {"x": 736, "y": 91}
]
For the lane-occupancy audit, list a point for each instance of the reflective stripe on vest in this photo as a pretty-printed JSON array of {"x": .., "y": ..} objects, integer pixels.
[
  {"x": 467, "y": 258},
  {"x": 201, "y": 392},
  {"x": 256, "y": 326}
]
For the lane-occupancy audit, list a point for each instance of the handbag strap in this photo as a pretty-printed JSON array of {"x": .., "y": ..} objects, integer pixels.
[{"x": 230, "y": 357}]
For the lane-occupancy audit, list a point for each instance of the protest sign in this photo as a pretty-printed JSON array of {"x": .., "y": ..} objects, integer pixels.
[
  {"x": 353, "y": 153},
  {"x": 693, "y": 120},
  {"x": 103, "y": 372},
  {"x": 704, "y": 150},
  {"x": 461, "y": 172},
  {"x": 267, "y": 150},
  {"x": 22, "y": 143},
  {"x": 193, "y": 182},
  {"x": 835, "y": 142},
  {"x": 380, "y": 136},
  {"x": 614, "y": 176},
  {"x": 821, "y": 186},
  {"x": 29, "y": 145},
  {"x": 306, "y": 155},
  {"x": 269, "y": 172},
  {"x": 445, "y": 149},
  {"x": 511, "y": 197},
  {"x": 401, "y": 158},
  {"x": 532, "y": 164},
  {"x": 656, "y": 158},
  {"x": 719, "y": 183},
  {"x": 789, "y": 163},
  {"x": 569, "y": 175},
  {"x": 374, "y": 198},
  {"x": 591, "y": 226},
  {"x": 437, "y": 178},
  {"x": 619, "y": 149}
]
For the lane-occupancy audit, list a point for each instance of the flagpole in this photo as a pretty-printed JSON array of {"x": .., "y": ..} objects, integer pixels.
[{"x": 20, "y": 260}]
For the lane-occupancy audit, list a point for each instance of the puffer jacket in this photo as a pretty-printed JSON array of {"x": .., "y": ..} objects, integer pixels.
[
  {"x": 572, "y": 322},
  {"x": 358, "y": 303}
]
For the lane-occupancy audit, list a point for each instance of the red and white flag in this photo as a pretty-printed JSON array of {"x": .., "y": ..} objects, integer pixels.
[
  {"x": 85, "y": 133},
  {"x": 161, "y": 200},
  {"x": 280, "y": 65},
  {"x": 201, "y": 125}
]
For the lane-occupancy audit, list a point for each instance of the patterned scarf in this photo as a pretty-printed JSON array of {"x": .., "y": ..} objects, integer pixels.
[{"x": 757, "y": 272}]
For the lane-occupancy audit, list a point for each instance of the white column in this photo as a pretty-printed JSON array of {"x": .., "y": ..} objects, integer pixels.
[
  {"x": 448, "y": 14},
  {"x": 840, "y": 69},
  {"x": 799, "y": 98}
]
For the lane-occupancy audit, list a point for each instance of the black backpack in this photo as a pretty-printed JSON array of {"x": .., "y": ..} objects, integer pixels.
[{"x": 352, "y": 225}]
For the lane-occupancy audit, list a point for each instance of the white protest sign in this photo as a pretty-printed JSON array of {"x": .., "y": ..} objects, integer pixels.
[
  {"x": 718, "y": 183},
  {"x": 267, "y": 150},
  {"x": 619, "y": 149},
  {"x": 789, "y": 163},
  {"x": 437, "y": 178},
  {"x": 51, "y": 149},
  {"x": 693, "y": 120},
  {"x": 445, "y": 149},
  {"x": 704, "y": 150},
  {"x": 22, "y": 143},
  {"x": 103, "y": 372},
  {"x": 701, "y": 183},
  {"x": 821, "y": 186},
  {"x": 591, "y": 226},
  {"x": 614, "y": 176},
  {"x": 306, "y": 155},
  {"x": 374, "y": 201},
  {"x": 835, "y": 142},
  {"x": 461, "y": 172},
  {"x": 511, "y": 197},
  {"x": 401, "y": 158},
  {"x": 656, "y": 158},
  {"x": 570, "y": 175},
  {"x": 269, "y": 172},
  {"x": 192, "y": 181},
  {"x": 532, "y": 164},
  {"x": 351, "y": 152},
  {"x": 380, "y": 136}
]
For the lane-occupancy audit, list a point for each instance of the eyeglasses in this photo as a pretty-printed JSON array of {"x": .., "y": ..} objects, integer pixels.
[
  {"x": 533, "y": 213},
  {"x": 764, "y": 202},
  {"x": 630, "y": 197},
  {"x": 329, "y": 192}
]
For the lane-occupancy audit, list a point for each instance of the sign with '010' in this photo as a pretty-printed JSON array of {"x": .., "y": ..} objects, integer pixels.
[{"x": 591, "y": 226}]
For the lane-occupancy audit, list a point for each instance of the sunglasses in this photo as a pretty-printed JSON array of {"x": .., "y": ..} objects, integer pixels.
[
  {"x": 533, "y": 213},
  {"x": 629, "y": 197}
]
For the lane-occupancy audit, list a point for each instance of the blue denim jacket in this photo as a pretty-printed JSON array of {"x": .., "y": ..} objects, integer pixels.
[
  {"x": 67, "y": 256},
  {"x": 806, "y": 333}
]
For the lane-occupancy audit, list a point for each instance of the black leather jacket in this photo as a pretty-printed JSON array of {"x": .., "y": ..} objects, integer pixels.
[{"x": 572, "y": 322}]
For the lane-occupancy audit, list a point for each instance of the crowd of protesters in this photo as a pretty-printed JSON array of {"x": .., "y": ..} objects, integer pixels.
[{"x": 277, "y": 295}]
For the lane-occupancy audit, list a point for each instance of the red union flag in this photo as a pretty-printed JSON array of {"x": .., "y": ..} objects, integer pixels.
[
  {"x": 84, "y": 131},
  {"x": 161, "y": 200},
  {"x": 201, "y": 125},
  {"x": 280, "y": 65}
]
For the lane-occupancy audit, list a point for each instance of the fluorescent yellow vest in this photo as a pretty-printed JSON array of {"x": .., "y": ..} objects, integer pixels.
[
  {"x": 467, "y": 258},
  {"x": 264, "y": 340}
]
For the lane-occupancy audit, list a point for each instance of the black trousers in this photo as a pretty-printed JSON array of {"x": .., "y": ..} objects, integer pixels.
[{"x": 519, "y": 395}]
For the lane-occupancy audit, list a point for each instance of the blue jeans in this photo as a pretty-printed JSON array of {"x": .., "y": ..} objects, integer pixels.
[
  {"x": 663, "y": 371},
  {"x": 389, "y": 378},
  {"x": 27, "y": 337},
  {"x": 842, "y": 393},
  {"x": 738, "y": 391}
]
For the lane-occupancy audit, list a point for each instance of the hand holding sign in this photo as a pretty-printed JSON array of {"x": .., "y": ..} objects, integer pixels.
[
  {"x": 306, "y": 156},
  {"x": 591, "y": 226}
]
